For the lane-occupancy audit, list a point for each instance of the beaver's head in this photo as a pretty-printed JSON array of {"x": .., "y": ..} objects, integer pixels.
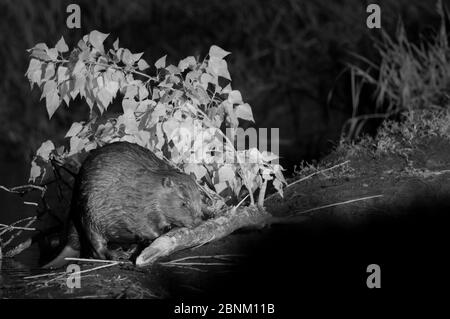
[{"x": 181, "y": 202}]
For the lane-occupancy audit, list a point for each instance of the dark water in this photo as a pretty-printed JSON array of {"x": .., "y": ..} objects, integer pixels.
[{"x": 13, "y": 270}]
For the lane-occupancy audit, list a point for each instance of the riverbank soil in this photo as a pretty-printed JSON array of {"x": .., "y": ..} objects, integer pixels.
[{"x": 323, "y": 251}]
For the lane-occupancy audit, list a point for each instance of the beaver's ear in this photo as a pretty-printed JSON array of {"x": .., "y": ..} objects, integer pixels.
[{"x": 167, "y": 182}]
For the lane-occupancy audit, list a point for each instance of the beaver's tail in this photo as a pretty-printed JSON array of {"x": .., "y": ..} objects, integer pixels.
[{"x": 72, "y": 249}]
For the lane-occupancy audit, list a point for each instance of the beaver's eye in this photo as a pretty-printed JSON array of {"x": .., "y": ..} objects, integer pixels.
[{"x": 183, "y": 204}]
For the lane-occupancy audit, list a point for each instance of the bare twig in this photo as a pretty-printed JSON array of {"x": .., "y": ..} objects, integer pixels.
[
  {"x": 22, "y": 189},
  {"x": 31, "y": 203},
  {"x": 96, "y": 268},
  {"x": 316, "y": 173},
  {"x": 187, "y": 268},
  {"x": 83, "y": 271},
  {"x": 91, "y": 297},
  {"x": 96, "y": 260},
  {"x": 168, "y": 263},
  {"x": 29, "y": 220},
  {"x": 204, "y": 257},
  {"x": 335, "y": 204},
  {"x": 240, "y": 203},
  {"x": 262, "y": 193},
  {"x": 300, "y": 180},
  {"x": 19, "y": 248},
  {"x": 15, "y": 227},
  {"x": 44, "y": 275}
]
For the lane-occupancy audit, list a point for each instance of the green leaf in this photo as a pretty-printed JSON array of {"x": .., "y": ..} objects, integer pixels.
[
  {"x": 82, "y": 45},
  {"x": 129, "y": 120},
  {"x": 137, "y": 56},
  {"x": 278, "y": 171},
  {"x": 41, "y": 55},
  {"x": 202, "y": 95},
  {"x": 161, "y": 63},
  {"x": 143, "y": 92},
  {"x": 143, "y": 138},
  {"x": 116, "y": 44},
  {"x": 39, "y": 51},
  {"x": 112, "y": 87},
  {"x": 155, "y": 94},
  {"x": 269, "y": 156},
  {"x": 127, "y": 57},
  {"x": 79, "y": 68},
  {"x": 173, "y": 69},
  {"x": 99, "y": 69},
  {"x": 131, "y": 91},
  {"x": 266, "y": 173},
  {"x": 49, "y": 71},
  {"x": 52, "y": 103},
  {"x": 217, "y": 52},
  {"x": 99, "y": 81},
  {"x": 226, "y": 173},
  {"x": 198, "y": 170},
  {"x": 77, "y": 145},
  {"x": 129, "y": 104},
  {"x": 187, "y": 62},
  {"x": 220, "y": 187},
  {"x": 253, "y": 156},
  {"x": 90, "y": 146},
  {"x": 45, "y": 149},
  {"x": 61, "y": 46},
  {"x": 74, "y": 93},
  {"x": 35, "y": 172},
  {"x": 40, "y": 46},
  {"x": 193, "y": 76},
  {"x": 205, "y": 79},
  {"x": 64, "y": 91},
  {"x": 278, "y": 186},
  {"x": 80, "y": 82},
  {"x": 218, "y": 67},
  {"x": 34, "y": 72},
  {"x": 52, "y": 54},
  {"x": 244, "y": 111},
  {"x": 49, "y": 88},
  {"x": 159, "y": 110},
  {"x": 227, "y": 89},
  {"x": 169, "y": 128},
  {"x": 74, "y": 129},
  {"x": 104, "y": 97},
  {"x": 160, "y": 137},
  {"x": 142, "y": 65},
  {"x": 144, "y": 105},
  {"x": 117, "y": 76},
  {"x": 89, "y": 97},
  {"x": 235, "y": 97},
  {"x": 232, "y": 117},
  {"x": 97, "y": 38},
  {"x": 63, "y": 74}
]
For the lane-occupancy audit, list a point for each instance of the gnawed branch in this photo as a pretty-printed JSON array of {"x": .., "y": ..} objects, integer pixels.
[
  {"x": 213, "y": 229},
  {"x": 210, "y": 230}
]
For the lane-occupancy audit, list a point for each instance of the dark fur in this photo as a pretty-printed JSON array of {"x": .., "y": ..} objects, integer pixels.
[{"x": 125, "y": 194}]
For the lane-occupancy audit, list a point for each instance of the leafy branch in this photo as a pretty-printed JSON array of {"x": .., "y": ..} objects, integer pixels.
[{"x": 179, "y": 113}]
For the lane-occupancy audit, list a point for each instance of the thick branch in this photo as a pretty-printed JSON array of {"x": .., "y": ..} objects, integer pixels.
[
  {"x": 220, "y": 227},
  {"x": 210, "y": 230}
]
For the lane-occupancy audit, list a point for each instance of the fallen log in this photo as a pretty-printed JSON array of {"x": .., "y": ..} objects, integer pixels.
[
  {"x": 208, "y": 231},
  {"x": 220, "y": 227}
]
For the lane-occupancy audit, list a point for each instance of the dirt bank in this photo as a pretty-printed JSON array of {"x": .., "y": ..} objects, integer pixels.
[{"x": 323, "y": 250}]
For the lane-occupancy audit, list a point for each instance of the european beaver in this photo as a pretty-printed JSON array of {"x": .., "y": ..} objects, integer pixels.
[{"x": 125, "y": 194}]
